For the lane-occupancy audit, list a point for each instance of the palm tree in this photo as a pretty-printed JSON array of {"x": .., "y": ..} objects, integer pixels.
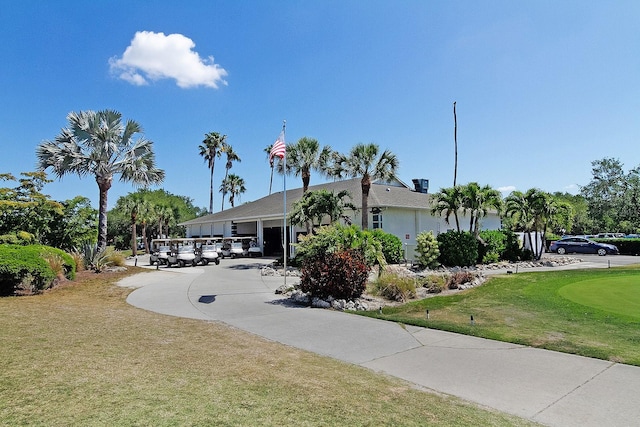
[
  {"x": 314, "y": 206},
  {"x": 136, "y": 207},
  {"x": 234, "y": 185},
  {"x": 304, "y": 156},
  {"x": 365, "y": 161},
  {"x": 164, "y": 215},
  {"x": 448, "y": 201},
  {"x": 212, "y": 147},
  {"x": 232, "y": 156},
  {"x": 525, "y": 209},
  {"x": 100, "y": 144},
  {"x": 267, "y": 150},
  {"x": 477, "y": 201}
]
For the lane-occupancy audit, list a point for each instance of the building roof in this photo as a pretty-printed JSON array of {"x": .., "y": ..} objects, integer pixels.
[{"x": 394, "y": 194}]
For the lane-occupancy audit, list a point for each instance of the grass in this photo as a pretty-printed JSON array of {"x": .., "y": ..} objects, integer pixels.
[
  {"x": 594, "y": 313},
  {"x": 80, "y": 355}
]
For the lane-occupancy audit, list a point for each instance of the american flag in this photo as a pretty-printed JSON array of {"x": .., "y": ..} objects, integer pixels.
[{"x": 278, "y": 148}]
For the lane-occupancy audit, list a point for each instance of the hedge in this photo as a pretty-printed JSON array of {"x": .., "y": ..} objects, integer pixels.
[
  {"x": 28, "y": 265},
  {"x": 625, "y": 246}
]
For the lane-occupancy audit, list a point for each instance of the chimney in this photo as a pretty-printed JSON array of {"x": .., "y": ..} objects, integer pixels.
[{"x": 421, "y": 185}]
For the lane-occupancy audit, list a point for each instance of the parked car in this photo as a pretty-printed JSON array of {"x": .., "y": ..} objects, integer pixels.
[
  {"x": 609, "y": 235},
  {"x": 582, "y": 246}
]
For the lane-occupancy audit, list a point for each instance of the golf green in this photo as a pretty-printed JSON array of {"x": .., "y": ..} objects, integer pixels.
[{"x": 619, "y": 295}]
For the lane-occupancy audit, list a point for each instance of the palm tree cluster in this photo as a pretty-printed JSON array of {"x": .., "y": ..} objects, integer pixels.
[
  {"x": 364, "y": 161},
  {"x": 214, "y": 146},
  {"x": 469, "y": 199},
  {"x": 534, "y": 211}
]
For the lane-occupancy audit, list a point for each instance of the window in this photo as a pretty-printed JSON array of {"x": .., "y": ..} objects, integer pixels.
[{"x": 377, "y": 220}]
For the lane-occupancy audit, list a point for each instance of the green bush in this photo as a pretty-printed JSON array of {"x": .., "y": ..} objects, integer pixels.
[
  {"x": 491, "y": 246},
  {"x": 391, "y": 246},
  {"x": 427, "y": 249},
  {"x": 457, "y": 248},
  {"x": 624, "y": 245},
  {"x": 337, "y": 237},
  {"x": 26, "y": 269},
  {"x": 19, "y": 238},
  {"x": 395, "y": 287},
  {"x": 341, "y": 275},
  {"x": 512, "y": 249},
  {"x": 435, "y": 283}
]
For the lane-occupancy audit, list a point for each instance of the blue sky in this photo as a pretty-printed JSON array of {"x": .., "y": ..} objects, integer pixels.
[{"x": 542, "y": 88}]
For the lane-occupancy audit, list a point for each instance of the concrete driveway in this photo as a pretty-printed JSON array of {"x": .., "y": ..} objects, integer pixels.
[{"x": 547, "y": 387}]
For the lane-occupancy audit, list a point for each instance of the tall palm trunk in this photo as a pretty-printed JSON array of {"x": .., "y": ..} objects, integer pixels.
[
  {"x": 224, "y": 192},
  {"x": 211, "y": 191},
  {"x": 271, "y": 179},
  {"x": 366, "y": 186},
  {"x": 134, "y": 240},
  {"x": 306, "y": 178},
  {"x": 104, "y": 184},
  {"x": 144, "y": 236}
]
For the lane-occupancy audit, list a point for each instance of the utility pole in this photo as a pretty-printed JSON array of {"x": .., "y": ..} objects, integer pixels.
[{"x": 455, "y": 139}]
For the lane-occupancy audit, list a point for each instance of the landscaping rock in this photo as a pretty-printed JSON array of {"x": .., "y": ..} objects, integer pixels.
[{"x": 283, "y": 289}]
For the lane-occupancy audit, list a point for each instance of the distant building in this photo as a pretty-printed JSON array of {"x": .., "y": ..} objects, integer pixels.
[{"x": 393, "y": 206}]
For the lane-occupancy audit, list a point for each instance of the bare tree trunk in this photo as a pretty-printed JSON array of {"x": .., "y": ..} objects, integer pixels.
[
  {"x": 366, "y": 186},
  {"x": 144, "y": 237},
  {"x": 211, "y": 192},
  {"x": 224, "y": 192},
  {"x": 104, "y": 184},
  {"x": 271, "y": 179},
  {"x": 455, "y": 139},
  {"x": 134, "y": 240}
]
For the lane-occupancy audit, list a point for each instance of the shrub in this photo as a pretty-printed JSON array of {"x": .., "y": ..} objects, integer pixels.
[
  {"x": 19, "y": 238},
  {"x": 512, "y": 248},
  {"x": 435, "y": 283},
  {"x": 78, "y": 258},
  {"x": 457, "y": 248},
  {"x": 626, "y": 246},
  {"x": 391, "y": 246},
  {"x": 395, "y": 287},
  {"x": 459, "y": 278},
  {"x": 491, "y": 246},
  {"x": 341, "y": 275},
  {"x": 339, "y": 237},
  {"x": 25, "y": 269},
  {"x": 114, "y": 257},
  {"x": 428, "y": 250}
]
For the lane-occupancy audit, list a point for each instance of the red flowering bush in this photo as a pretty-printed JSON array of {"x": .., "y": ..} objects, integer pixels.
[{"x": 341, "y": 275}]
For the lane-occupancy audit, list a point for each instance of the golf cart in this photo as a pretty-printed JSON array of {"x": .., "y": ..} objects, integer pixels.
[
  {"x": 206, "y": 250},
  {"x": 183, "y": 252},
  {"x": 254, "y": 249},
  {"x": 232, "y": 247},
  {"x": 160, "y": 250}
]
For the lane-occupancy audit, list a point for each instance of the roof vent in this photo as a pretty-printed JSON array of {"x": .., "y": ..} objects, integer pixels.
[{"x": 421, "y": 185}]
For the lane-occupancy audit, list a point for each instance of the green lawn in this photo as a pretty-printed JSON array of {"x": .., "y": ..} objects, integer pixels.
[
  {"x": 594, "y": 313},
  {"x": 81, "y": 356}
]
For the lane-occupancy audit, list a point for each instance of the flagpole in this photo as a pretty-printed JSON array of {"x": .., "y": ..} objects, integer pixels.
[{"x": 284, "y": 197}]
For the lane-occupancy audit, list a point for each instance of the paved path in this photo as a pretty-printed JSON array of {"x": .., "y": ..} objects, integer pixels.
[{"x": 548, "y": 387}]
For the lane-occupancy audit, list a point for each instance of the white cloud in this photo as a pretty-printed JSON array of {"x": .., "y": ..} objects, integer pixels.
[
  {"x": 572, "y": 188},
  {"x": 506, "y": 189},
  {"x": 155, "y": 56}
]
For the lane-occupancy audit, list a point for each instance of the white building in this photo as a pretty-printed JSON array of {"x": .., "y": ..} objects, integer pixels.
[{"x": 393, "y": 206}]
